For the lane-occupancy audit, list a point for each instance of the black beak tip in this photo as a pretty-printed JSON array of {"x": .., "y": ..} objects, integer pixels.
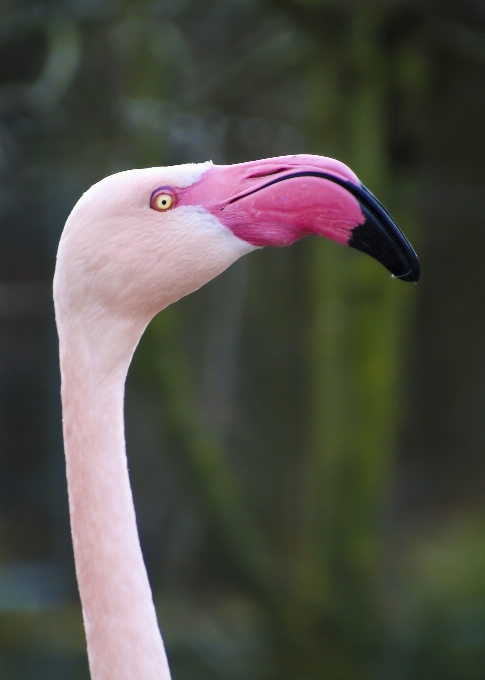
[
  {"x": 412, "y": 275},
  {"x": 380, "y": 237}
]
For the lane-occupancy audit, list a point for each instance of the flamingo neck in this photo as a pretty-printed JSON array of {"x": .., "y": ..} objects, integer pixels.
[{"x": 123, "y": 638}]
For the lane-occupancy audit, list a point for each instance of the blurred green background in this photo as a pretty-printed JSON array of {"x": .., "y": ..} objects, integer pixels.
[{"x": 306, "y": 436}]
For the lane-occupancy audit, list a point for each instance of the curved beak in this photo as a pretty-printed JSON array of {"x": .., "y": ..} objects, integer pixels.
[
  {"x": 277, "y": 201},
  {"x": 380, "y": 237}
]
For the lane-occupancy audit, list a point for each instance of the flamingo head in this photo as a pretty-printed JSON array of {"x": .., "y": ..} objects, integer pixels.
[{"x": 140, "y": 239}]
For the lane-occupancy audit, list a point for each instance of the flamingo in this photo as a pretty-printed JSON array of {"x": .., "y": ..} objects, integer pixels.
[{"x": 136, "y": 242}]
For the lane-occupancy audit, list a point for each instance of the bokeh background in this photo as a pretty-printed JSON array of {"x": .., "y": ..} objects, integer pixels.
[{"x": 306, "y": 436}]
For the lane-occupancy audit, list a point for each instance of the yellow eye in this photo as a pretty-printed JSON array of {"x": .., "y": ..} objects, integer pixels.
[{"x": 162, "y": 201}]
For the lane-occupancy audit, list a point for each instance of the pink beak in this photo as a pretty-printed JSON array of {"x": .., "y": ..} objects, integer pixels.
[{"x": 277, "y": 201}]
